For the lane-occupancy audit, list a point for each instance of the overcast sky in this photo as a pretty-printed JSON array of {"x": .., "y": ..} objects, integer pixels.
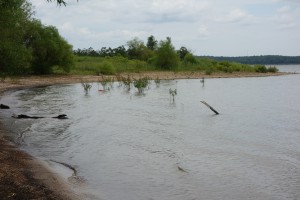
[{"x": 207, "y": 27}]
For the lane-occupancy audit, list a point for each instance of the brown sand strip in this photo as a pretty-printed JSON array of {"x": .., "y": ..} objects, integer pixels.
[{"x": 23, "y": 177}]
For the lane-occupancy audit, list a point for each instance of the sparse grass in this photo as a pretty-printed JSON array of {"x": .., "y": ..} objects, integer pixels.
[
  {"x": 86, "y": 86},
  {"x": 127, "y": 82},
  {"x": 173, "y": 93},
  {"x": 106, "y": 82}
]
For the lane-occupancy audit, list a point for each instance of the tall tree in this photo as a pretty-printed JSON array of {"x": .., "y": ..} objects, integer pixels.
[
  {"x": 49, "y": 49},
  {"x": 14, "y": 56},
  {"x": 151, "y": 43},
  {"x": 167, "y": 57}
]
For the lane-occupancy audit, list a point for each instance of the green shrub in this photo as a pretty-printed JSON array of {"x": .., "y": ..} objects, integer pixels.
[
  {"x": 106, "y": 68},
  {"x": 190, "y": 58},
  {"x": 272, "y": 69},
  {"x": 260, "y": 68},
  {"x": 208, "y": 71}
]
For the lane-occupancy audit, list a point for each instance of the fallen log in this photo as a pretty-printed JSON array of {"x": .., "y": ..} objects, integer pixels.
[
  {"x": 22, "y": 116},
  {"x": 2, "y": 106},
  {"x": 63, "y": 116},
  {"x": 210, "y": 107}
]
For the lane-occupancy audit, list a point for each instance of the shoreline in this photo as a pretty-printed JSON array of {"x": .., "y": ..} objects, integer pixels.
[
  {"x": 25, "y": 177},
  {"x": 34, "y": 81}
]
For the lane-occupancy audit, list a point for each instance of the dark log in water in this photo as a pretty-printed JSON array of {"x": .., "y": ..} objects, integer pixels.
[
  {"x": 210, "y": 107},
  {"x": 63, "y": 116},
  {"x": 2, "y": 106},
  {"x": 22, "y": 116}
]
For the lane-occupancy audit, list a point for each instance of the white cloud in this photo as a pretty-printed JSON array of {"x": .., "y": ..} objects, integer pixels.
[
  {"x": 287, "y": 17},
  {"x": 234, "y": 16},
  {"x": 196, "y": 24},
  {"x": 203, "y": 31}
]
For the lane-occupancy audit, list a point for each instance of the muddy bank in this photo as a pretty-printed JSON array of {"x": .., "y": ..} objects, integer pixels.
[{"x": 24, "y": 177}]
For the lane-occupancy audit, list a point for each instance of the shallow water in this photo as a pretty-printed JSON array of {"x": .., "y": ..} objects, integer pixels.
[{"x": 129, "y": 146}]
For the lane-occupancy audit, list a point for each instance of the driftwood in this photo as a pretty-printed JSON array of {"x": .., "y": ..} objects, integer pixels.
[
  {"x": 210, "y": 107},
  {"x": 63, "y": 116},
  {"x": 2, "y": 106},
  {"x": 22, "y": 116}
]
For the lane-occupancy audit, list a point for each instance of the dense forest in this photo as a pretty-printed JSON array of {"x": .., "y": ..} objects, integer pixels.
[
  {"x": 26, "y": 45},
  {"x": 264, "y": 60}
]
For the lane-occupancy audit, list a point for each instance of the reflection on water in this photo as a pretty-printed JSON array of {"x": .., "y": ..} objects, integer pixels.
[{"x": 133, "y": 147}]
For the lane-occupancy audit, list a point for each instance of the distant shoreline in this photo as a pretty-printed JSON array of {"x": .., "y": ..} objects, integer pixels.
[{"x": 26, "y": 177}]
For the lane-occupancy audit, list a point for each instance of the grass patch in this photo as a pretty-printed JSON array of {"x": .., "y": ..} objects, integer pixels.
[{"x": 86, "y": 65}]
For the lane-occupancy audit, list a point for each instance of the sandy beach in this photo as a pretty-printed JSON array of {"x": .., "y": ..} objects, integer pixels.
[{"x": 25, "y": 177}]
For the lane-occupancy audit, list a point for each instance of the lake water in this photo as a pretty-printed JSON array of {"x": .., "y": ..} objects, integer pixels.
[{"x": 132, "y": 147}]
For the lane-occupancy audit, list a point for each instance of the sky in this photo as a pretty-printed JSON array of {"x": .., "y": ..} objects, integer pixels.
[{"x": 205, "y": 27}]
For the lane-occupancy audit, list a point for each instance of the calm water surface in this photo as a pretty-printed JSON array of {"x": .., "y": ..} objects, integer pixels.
[{"x": 132, "y": 147}]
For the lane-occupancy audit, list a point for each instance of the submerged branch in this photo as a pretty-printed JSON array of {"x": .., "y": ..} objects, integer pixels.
[{"x": 210, "y": 107}]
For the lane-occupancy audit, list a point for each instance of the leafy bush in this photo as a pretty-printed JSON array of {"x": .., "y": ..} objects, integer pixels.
[
  {"x": 48, "y": 49},
  {"x": 106, "y": 68},
  {"x": 166, "y": 56},
  {"x": 260, "y": 68},
  {"x": 141, "y": 84},
  {"x": 208, "y": 71},
  {"x": 190, "y": 58},
  {"x": 272, "y": 69}
]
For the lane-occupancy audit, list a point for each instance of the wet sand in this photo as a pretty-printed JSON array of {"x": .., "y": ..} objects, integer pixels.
[{"x": 25, "y": 177}]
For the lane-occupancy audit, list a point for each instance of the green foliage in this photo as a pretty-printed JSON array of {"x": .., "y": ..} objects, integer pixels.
[
  {"x": 264, "y": 60},
  {"x": 189, "y": 59},
  {"x": 26, "y": 45},
  {"x": 182, "y": 52},
  {"x": 208, "y": 71},
  {"x": 48, "y": 49},
  {"x": 127, "y": 82},
  {"x": 106, "y": 68},
  {"x": 141, "y": 84},
  {"x": 86, "y": 86},
  {"x": 166, "y": 56},
  {"x": 151, "y": 43},
  {"x": 92, "y": 65},
  {"x": 272, "y": 69},
  {"x": 15, "y": 58},
  {"x": 135, "y": 48},
  {"x": 260, "y": 68},
  {"x": 106, "y": 82}
]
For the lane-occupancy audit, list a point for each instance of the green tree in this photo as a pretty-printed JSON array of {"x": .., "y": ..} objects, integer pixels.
[
  {"x": 151, "y": 43},
  {"x": 137, "y": 50},
  {"x": 166, "y": 55},
  {"x": 14, "y": 56},
  {"x": 182, "y": 52},
  {"x": 48, "y": 48},
  {"x": 189, "y": 58}
]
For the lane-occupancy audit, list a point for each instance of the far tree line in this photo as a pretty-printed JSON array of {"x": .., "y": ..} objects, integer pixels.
[
  {"x": 134, "y": 49},
  {"x": 163, "y": 53},
  {"x": 262, "y": 59}
]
